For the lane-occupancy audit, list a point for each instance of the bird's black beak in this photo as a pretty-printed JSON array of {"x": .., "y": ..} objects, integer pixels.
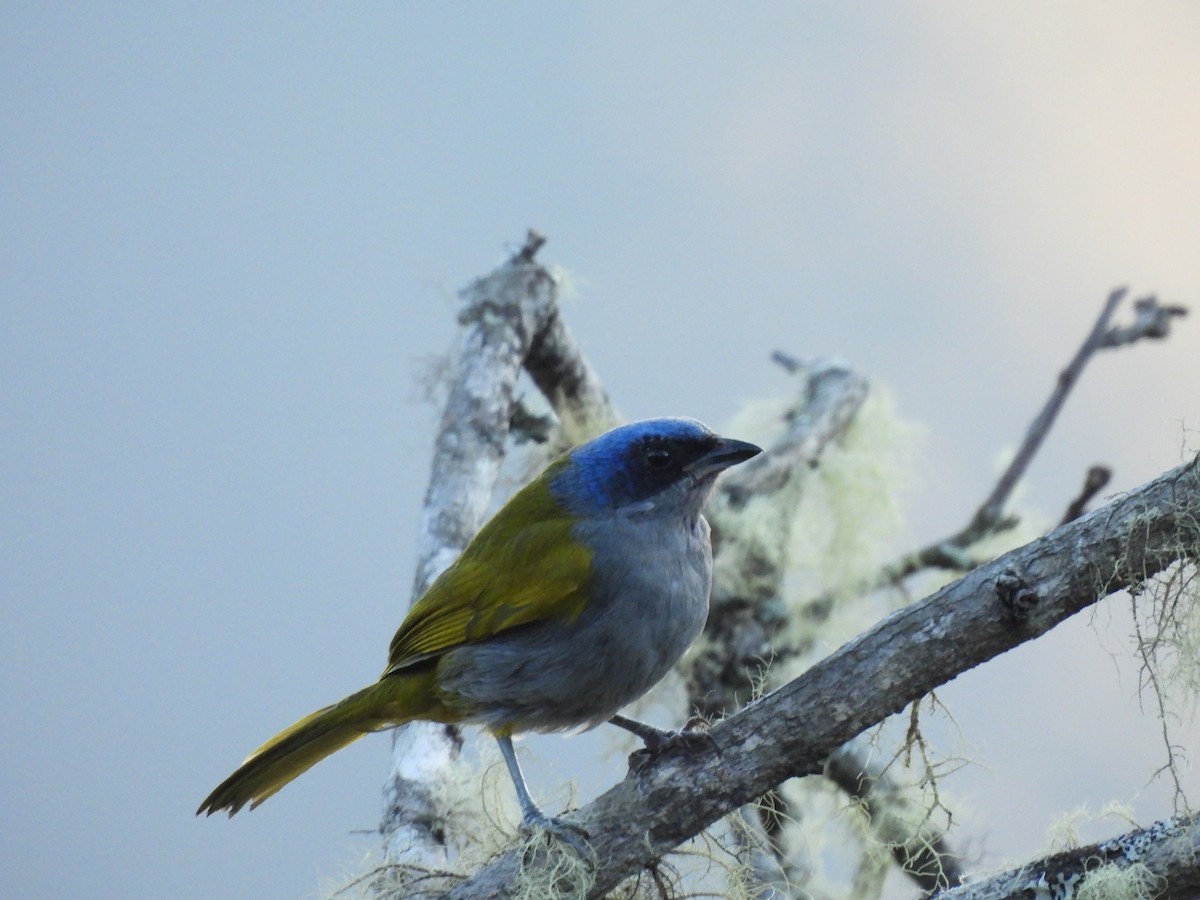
[{"x": 725, "y": 453}]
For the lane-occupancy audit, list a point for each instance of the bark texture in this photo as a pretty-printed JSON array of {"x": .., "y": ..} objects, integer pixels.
[{"x": 1162, "y": 858}]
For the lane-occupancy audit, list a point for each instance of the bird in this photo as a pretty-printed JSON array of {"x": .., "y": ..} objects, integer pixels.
[{"x": 571, "y": 602}]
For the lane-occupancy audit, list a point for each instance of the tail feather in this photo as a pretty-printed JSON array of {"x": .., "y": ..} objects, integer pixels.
[{"x": 298, "y": 748}]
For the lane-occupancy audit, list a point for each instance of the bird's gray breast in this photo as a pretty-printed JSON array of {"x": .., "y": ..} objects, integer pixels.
[{"x": 648, "y": 601}]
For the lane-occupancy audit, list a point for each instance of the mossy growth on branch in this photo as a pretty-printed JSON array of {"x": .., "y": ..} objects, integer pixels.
[{"x": 1165, "y": 609}]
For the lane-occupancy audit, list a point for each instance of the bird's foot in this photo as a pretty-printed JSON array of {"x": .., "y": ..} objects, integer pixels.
[{"x": 535, "y": 822}]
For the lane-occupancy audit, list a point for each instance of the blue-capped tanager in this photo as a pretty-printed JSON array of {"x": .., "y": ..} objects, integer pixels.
[{"x": 575, "y": 599}]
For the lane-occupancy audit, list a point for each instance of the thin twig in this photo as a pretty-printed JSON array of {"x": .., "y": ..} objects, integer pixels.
[
  {"x": 1151, "y": 320},
  {"x": 989, "y": 513},
  {"x": 1096, "y": 480}
]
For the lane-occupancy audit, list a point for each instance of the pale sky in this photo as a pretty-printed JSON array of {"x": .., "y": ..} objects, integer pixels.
[{"x": 232, "y": 238}]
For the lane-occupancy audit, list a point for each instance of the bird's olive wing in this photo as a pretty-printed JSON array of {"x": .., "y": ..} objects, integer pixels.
[{"x": 506, "y": 577}]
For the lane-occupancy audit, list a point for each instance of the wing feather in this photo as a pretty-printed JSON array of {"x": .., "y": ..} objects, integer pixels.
[{"x": 524, "y": 566}]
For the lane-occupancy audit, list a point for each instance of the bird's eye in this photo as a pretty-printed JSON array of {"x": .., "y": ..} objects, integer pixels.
[{"x": 658, "y": 456}]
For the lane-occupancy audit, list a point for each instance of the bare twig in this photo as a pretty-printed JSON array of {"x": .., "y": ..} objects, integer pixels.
[
  {"x": 1096, "y": 480},
  {"x": 1151, "y": 321},
  {"x": 988, "y": 516},
  {"x": 534, "y": 240}
]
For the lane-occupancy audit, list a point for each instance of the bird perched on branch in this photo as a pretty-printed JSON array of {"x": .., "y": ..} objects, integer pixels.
[{"x": 574, "y": 600}]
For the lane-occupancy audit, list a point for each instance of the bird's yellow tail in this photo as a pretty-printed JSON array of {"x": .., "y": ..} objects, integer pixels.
[{"x": 394, "y": 700}]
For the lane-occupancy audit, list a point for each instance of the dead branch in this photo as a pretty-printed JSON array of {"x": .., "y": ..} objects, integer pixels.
[
  {"x": 1152, "y": 320},
  {"x": 503, "y": 316},
  {"x": 1165, "y": 855},
  {"x": 748, "y": 616}
]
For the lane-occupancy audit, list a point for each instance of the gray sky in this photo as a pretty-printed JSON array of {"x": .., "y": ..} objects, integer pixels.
[{"x": 230, "y": 242}]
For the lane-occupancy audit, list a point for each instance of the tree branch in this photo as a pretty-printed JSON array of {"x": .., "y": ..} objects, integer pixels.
[
  {"x": 989, "y": 514},
  {"x": 790, "y": 732},
  {"x": 749, "y": 562},
  {"x": 1151, "y": 320},
  {"x": 501, "y": 316},
  {"x": 558, "y": 368},
  {"x": 748, "y": 614},
  {"x": 1165, "y": 857}
]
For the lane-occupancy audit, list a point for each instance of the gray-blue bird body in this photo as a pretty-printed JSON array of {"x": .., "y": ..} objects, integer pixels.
[
  {"x": 637, "y": 493},
  {"x": 648, "y": 601}
]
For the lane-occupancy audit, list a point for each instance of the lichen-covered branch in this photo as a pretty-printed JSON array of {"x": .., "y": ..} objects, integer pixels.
[
  {"x": 752, "y": 519},
  {"x": 791, "y": 731},
  {"x": 767, "y": 868},
  {"x": 502, "y": 315},
  {"x": 749, "y": 544},
  {"x": 560, "y": 371},
  {"x": 829, "y": 398},
  {"x": 1162, "y": 861}
]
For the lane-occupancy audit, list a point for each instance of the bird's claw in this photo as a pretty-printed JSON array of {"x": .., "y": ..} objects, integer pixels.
[
  {"x": 691, "y": 736},
  {"x": 568, "y": 832}
]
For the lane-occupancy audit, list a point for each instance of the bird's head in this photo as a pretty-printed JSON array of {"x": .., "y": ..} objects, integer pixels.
[{"x": 656, "y": 464}]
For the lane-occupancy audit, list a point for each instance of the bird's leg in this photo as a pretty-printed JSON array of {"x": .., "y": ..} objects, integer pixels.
[{"x": 530, "y": 813}]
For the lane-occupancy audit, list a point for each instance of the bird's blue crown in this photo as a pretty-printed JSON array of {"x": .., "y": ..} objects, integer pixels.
[{"x": 619, "y": 467}]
